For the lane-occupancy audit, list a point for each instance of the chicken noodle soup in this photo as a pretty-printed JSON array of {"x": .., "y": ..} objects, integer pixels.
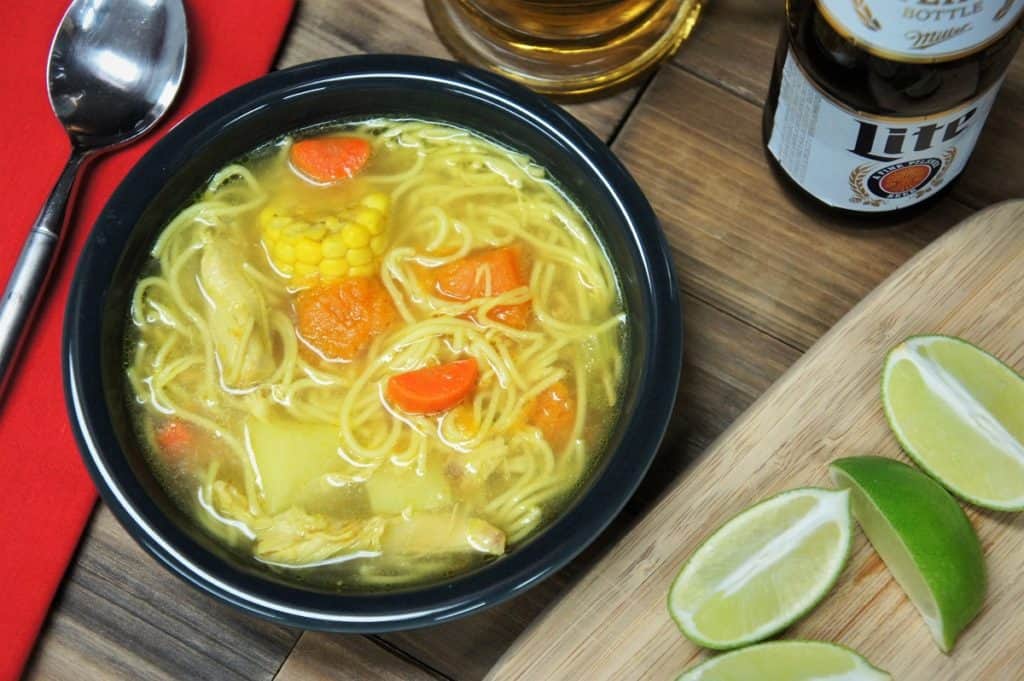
[{"x": 376, "y": 354}]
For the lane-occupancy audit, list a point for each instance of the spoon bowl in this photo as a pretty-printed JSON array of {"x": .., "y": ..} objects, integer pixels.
[{"x": 115, "y": 67}]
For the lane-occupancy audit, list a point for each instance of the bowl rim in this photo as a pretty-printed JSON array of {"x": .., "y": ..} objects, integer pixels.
[{"x": 590, "y": 513}]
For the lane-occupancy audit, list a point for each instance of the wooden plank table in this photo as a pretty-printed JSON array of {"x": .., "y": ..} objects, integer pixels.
[{"x": 761, "y": 281}]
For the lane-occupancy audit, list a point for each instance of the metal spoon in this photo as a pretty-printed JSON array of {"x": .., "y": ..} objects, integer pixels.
[{"x": 115, "y": 67}]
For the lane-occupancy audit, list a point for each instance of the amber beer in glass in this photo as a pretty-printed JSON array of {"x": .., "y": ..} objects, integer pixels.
[
  {"x": 875, "y": 105},
  {"x": 566, "y": 47}
]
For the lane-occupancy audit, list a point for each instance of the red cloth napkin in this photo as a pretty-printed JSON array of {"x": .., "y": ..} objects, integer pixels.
[{"x": 45, "y": 493}]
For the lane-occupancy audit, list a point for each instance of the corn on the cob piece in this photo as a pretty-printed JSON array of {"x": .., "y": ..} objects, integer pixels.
[{"x": 330, "y": 247}]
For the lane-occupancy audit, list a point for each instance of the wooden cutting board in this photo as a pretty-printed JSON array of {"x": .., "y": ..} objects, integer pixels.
[{"x": 613, "y": 624}]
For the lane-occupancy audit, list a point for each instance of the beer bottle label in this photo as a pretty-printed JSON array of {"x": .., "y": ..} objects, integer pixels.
[
  {"x": 921, "y": 30},
  {"x": 867, "y": 163}
]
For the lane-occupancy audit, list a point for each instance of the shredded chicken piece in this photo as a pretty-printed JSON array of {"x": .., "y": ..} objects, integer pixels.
[
  {"x": 238, "y": 327},
  {"x": 470, "y": 470},
  {"x": 296, "y": 537}
]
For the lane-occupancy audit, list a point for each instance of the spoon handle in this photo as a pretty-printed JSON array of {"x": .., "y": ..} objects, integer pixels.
[{"x": 31, "y": 272}]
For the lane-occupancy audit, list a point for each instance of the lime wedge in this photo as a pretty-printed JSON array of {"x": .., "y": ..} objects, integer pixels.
[
  {"x": 959, "y": 413},
  {"x": 924, "y": 538},
  {"x": 764, "y": 569},
  {"x": 788, "y": 661}
]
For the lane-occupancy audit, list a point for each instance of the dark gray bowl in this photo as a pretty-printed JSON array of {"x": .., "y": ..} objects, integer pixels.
[{"x": 166, "y": 179}]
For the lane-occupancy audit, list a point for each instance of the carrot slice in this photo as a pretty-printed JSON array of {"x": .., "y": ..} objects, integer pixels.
[
  {"x": 554, "y": 413},
  {"x": 341, "y": 318},
  {"x": 484, "y": 275},
  {"x": 328, "y": 159},
  {"x": 433, "y": 389},
  {"x": 175, "y": 437}
]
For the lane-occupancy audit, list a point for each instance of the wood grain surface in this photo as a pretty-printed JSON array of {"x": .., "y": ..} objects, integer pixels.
[
  {"x": 614, "y": 624},
  {"x": 120, "y": 615},
  {"x": 761, "y": 280},
  {"x": 352, "y": 658}
]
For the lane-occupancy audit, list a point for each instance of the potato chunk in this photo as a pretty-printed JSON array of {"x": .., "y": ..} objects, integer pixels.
[
  {"x": 290, "y": 457},
  {"x": 394, "y": 489},
  {"x": 437, "y": 532}
]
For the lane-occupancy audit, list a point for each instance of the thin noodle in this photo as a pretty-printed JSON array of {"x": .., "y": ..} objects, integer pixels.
[{"x": 451, "y": 193}]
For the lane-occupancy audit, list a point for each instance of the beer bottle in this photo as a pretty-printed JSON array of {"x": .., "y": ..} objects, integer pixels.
[{"x": 875, "y": 105}]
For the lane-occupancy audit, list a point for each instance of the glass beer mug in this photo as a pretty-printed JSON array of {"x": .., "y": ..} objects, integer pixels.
[{"x": 564, "y": 47}]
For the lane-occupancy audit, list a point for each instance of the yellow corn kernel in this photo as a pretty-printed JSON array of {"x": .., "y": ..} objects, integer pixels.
[
  {"x": 379, "y": 244},
  {"x": 333, "y": 268},
  {"x": 304, "y": 269},
  {"x": 377, "y": 201},
  {"x": 308, "y": 251},
  {"x": 334, "y": 246},
  {"x": 294, "y": 229},
  {"x": 268, "y": 213},
  {"x": 355, "y": 235},
  {"x": 361, "y": 271},
  {"x": 284, "y": 253},
  {"x": 368, "y": 217},
  {"x": 305, "y": 243},
  {"x": 272, "y": 233},
  {"x": 359, "y": 256},
  {"x": 316, "y": 232}
]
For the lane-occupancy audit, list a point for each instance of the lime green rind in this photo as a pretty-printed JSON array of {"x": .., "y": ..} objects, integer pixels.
[
  {"x": 922, "y": 459},
  {"x": 788, "y": 661},
  {"x": 931, "y": 528},
  {"x": 839, "y": 563}
]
